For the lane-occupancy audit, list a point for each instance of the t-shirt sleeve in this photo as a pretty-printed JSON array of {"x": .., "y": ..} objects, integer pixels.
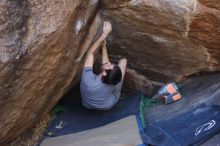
[{"x": 87, "y": 74}]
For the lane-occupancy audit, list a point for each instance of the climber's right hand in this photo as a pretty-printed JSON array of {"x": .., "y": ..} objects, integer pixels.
[{"x": 107, "y": 28}]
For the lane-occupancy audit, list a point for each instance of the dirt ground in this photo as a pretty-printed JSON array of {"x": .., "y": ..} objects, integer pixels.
[{"x": 31, "y": 137}]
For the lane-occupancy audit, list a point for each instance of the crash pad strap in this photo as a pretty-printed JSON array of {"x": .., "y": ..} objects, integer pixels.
[
  {"x": 57, "y": 109},
  {"x": 145, "y": 104}
]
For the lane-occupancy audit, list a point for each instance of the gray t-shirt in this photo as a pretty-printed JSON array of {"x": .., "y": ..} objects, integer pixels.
[{"x": 96, "y": 94}]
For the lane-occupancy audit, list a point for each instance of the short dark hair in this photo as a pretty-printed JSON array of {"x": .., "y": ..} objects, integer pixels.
[{"x": 113, "y": 76}]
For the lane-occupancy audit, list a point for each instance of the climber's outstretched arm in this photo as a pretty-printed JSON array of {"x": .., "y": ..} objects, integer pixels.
[
  {"x": 123, "y": 65},
  {"x": 105, "y": 58},
  {"x": 107, "y": 28}
]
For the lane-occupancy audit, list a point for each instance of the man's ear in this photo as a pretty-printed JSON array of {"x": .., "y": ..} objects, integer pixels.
[{"x": 104, "y": 73}]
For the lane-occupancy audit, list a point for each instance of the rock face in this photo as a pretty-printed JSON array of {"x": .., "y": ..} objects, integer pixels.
[
  {"x": 165, "y": 40},
  {"x": 42, "y": 43},
  {"x": 136, "y": 82}
]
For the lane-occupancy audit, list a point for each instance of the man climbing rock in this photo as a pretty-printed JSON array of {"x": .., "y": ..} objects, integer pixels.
[{"x": 102, "y": 91}]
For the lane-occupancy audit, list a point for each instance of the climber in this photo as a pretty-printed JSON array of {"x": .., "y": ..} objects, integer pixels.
[{"x": 101, "y": 91}]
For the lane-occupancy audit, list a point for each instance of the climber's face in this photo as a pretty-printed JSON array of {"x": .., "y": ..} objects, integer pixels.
[{"x": 105, "y": 67}]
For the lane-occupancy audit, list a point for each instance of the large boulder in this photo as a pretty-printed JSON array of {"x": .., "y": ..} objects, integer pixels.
[
  {"x": 42, "y": 46},
  {"x": 165, "y": 40}
]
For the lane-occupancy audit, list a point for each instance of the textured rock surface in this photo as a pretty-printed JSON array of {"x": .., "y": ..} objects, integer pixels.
[
  {"x": 136, "y": 82},
  {"x": 42, "y": 43},
  {"x": 165, "y": 39}
]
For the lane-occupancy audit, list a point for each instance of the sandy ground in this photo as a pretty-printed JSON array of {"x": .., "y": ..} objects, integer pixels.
[{"x": 31, "y": 138}]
